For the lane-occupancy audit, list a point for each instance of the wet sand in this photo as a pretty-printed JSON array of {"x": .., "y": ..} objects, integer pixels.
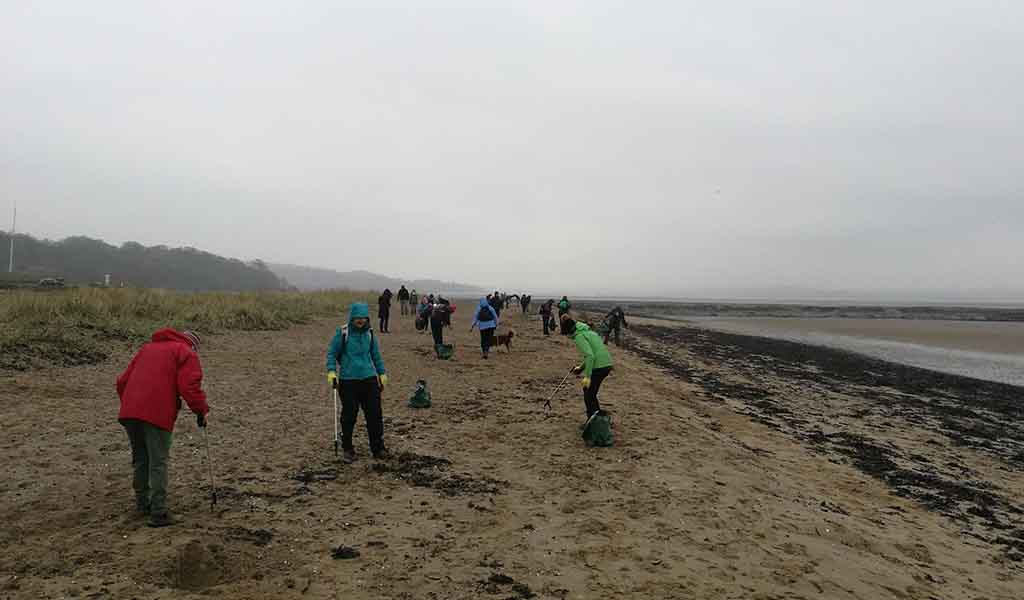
[
  {"x": 971, "y": 336},
  {"x": 987, "y": 350}
]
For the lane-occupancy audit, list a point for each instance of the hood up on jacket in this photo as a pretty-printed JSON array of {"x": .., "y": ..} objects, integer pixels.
[{"x": 359, "y": 310}]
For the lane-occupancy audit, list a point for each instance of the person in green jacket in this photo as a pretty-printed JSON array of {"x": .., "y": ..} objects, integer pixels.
[
  {"x": 563, "y": 309},
  {"x": 354, "y": 349},
  {"x": 597, "y": 361}
]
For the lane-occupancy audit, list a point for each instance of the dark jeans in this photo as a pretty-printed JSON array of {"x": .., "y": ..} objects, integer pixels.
[
  {"x": 561, "y": 324},
  {"x": 437, "y": 330},
  {"x": 590, "y": 394},
  {"x": 548, "y": 325},
  {"x": 150, "y": 449},
  {"x": 486, "y": 339},
  {"x": 365, "y": 393},
  {"x": 384, "y": 316}
]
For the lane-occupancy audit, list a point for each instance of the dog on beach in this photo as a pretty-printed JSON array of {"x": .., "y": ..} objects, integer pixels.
[{"x": 505, "y": 339}]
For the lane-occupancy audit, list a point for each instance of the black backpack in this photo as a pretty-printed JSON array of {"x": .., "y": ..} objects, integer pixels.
[{"x": 486, "y": 314}]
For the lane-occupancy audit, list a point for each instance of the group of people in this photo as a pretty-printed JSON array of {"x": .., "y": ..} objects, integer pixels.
[
  {"x": 547, "y": 314},
  {"x": 167, "y": 370},
  {"x": 500, "y": 301}
]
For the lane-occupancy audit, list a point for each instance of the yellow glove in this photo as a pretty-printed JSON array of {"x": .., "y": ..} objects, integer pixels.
[
  {"x": 586, "y": 382},
  {"x": 332, "y": 379},
  {"x": 383, "y": 381}
]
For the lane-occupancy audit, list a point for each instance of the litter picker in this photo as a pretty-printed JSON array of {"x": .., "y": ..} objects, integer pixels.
[
  {"x": 209, "y": 464},
  {"x": 547, "y": 405},
  {"x": 334, "y": 394}
]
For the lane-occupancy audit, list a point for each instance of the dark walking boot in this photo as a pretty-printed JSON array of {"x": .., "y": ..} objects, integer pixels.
[
  {"x": 160, "y": 520},
  {"x": 382, "y": 454},
  {"x": 348, "y": 457}
]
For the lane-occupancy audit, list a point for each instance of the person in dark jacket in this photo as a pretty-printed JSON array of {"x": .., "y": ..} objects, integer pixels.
[
  {"x": 440, "y": 316},
  {"x": 384, "y": 310},
  {"x": 547, "y": 316},
  {"x": 494, "y": 300},
  {"x": 614, "y": 321},
  {"x": 164, "y": 372},
  {"x": 524, "y": 302},
  {"x": 355, "y": 353},
  {"x": 403, "y": 300},
  {"x": 487, "y": 319}
]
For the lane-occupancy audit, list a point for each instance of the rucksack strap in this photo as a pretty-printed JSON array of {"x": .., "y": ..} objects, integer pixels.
[{"x": 343, "y": 331}]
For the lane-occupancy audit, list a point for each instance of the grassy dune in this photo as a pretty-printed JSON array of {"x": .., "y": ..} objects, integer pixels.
[{"x": 80, "y": 326}]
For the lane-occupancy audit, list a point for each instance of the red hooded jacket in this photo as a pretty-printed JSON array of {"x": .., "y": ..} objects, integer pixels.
[{"x": 162, "y": 373}]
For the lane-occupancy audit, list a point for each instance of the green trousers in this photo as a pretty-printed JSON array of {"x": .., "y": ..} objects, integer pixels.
[{"x": 151, "y": 447}]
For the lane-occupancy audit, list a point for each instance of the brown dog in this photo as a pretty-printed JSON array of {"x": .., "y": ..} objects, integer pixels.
[{"x": 505, "y": 339}]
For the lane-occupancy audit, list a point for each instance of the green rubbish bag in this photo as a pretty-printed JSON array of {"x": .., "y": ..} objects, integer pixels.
[
  {"x": 597, "y": 431},
  {"x": 421, "y": 397},
  {"x": 444, "y": 351}
]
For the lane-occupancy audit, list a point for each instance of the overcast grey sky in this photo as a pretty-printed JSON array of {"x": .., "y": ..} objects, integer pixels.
[{"x": 627, "y": 147}]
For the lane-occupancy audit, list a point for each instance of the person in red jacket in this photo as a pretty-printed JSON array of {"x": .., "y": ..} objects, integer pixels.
[{"x": 163, "y": 372}]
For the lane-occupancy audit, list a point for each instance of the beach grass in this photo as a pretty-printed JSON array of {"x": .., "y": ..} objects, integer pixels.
[{"x": 82, "y": 325}]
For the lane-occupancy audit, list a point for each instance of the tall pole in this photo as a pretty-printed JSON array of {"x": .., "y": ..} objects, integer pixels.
[{"x": 14, "y": 224}]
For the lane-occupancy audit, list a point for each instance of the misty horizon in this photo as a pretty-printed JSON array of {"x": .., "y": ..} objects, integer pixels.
[{"x": 664, "y": 150}]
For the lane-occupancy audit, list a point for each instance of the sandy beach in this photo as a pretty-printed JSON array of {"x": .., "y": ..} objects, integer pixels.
[{"x": 743, "y": 468}]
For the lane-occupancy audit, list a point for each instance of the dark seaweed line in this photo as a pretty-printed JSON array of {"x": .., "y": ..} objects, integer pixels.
[{"x": 929, "y": 489}]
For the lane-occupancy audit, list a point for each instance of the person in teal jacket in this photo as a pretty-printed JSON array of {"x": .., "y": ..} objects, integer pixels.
[
  {"x": 362, "y": 379},
  {"x": 597, "y": 361}
]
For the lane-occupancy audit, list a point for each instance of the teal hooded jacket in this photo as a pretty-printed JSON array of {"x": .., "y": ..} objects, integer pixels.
[{"x": 360, "y": 358}]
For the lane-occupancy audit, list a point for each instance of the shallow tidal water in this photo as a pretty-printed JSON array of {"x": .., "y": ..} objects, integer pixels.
[{"x": 984, "y": 350}]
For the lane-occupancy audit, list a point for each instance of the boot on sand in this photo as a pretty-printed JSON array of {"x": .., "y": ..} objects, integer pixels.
[{"x": 161, "y": 520}]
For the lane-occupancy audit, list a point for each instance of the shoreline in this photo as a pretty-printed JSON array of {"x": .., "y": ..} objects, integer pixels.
[
  {"x": 929, "y": 436},
  {"x": 983, "y": 345},
  {"x": 683, "y": 310},
  {"x": 987, "y": 351}
]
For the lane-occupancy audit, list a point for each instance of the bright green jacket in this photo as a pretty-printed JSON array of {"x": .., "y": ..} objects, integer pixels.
[{"x": 592, "y": 349}]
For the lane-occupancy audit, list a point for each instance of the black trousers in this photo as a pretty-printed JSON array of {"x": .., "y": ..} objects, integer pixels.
[
  {"x": 437, "y": 330},
  {"x": 548, "y": 325},
  {"x": 385, "y": 315},
  {"x": 486, "y": 339},
  {"x": 590, "y": 394},
  {"x": 561, "y": 324},
  {"x": 365, "y": 393}
]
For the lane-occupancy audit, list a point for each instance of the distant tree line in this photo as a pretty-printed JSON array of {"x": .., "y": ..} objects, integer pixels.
[{"x": 82, "y": 260}]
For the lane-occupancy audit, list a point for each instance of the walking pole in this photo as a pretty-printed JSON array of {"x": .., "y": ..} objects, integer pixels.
[
  {"x": 547, "y": 405},
  {"x": 213, "y": 489},
  {"x": 335, "y": 396}
]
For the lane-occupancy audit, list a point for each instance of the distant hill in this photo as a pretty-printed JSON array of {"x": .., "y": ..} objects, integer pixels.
[
  {"x": 82, "y": 260},
  {"x": 313, "y": 278}
]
